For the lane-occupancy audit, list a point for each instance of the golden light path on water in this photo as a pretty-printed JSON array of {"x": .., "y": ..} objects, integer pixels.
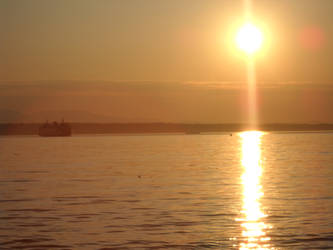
[{"x": 253, "y": 227}]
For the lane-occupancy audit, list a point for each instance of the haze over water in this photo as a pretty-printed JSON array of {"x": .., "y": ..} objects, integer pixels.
[{"x": 243, "y": 191}]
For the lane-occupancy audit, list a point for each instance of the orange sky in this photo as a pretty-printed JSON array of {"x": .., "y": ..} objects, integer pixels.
[{"x": 165, "y": 60}]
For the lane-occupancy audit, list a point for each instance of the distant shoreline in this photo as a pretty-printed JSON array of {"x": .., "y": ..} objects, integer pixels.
[{"x": 159, "y": 128}]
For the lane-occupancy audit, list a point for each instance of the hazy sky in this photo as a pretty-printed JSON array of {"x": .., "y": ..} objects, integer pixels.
[{"x": 166, "y": 60}]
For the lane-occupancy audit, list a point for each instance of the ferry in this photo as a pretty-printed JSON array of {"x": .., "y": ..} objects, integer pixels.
[{"x": 55, "y": 129}]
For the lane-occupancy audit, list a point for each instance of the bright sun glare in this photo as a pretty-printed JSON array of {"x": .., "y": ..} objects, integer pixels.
[{"x": 249, "y": 38}]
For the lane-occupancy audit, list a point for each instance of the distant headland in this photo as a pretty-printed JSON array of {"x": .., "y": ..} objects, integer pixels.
[{"x": 142, "y": 128}]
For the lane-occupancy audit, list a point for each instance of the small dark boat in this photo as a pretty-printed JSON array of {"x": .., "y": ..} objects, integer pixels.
[{"x": 55, "y": 129}]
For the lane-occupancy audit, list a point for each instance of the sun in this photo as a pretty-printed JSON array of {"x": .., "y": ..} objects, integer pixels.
[{"x": 249, "y": 38}]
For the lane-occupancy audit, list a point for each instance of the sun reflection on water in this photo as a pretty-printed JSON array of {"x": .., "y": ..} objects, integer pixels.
[{"x": 251, "y": 218}]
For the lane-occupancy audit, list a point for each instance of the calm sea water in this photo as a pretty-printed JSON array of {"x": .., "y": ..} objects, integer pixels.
[{"x": 246, "y": 191}]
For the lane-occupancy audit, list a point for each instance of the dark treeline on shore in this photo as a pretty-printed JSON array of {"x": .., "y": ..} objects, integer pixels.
[{"x": 128, "y": 128}]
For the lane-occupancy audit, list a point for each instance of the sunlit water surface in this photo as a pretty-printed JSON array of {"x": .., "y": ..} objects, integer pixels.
[{"x": 247, "y": 191}]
